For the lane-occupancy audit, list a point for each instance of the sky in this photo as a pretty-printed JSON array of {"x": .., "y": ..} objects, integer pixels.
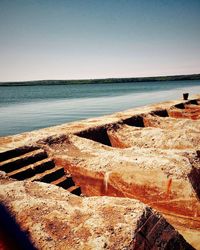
[{"x": 86, "y": 39}]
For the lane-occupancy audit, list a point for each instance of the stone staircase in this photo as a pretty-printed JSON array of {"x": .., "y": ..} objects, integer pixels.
[{"x": 33, "y": 163}]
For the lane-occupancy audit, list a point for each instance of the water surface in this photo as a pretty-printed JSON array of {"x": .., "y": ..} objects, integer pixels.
[{"x": 26, "y": 108}]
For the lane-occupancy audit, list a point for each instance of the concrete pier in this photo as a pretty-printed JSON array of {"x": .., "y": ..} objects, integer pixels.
[{"x": 147, "y": 156}]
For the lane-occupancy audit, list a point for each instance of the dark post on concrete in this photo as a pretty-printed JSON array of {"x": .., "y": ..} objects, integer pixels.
[{"x": 185, "y": 96}]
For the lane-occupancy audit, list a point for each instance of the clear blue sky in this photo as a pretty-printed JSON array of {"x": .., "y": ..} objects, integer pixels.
[{"x": 63, "y": 39}]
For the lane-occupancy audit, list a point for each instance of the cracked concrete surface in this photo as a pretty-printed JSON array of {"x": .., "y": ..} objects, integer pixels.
[{"x": 148, "y": 156}]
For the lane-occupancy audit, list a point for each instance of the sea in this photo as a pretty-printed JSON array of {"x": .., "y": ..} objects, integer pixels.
[{"x": 27, "y": 108}]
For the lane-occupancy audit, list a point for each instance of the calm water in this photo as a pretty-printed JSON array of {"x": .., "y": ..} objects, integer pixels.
[{"x": 26, "y": 108}]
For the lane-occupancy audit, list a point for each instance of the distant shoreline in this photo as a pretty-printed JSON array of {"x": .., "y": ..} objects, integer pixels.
[{"x": 104, "y": 80}]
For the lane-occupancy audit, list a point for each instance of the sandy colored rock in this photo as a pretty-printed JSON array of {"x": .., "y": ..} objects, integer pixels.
[
  {"x": 187, "y": 112},
  {"x": 124, "y": 136},
  {"x": 161, "y": 168},
  {"x": 151, "y": 175},
  {"x": 55, "y": 219},
  {"x": 171, "y": 123}
]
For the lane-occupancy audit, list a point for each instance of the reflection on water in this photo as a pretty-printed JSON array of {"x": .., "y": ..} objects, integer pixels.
[{"x": 28, "y": 110}]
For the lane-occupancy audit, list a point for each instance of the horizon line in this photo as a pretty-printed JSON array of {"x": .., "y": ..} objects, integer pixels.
[{"x": 107, "y": 78}]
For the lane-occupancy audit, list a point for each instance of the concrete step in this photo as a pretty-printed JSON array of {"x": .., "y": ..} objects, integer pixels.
[
  {"x": 64, "y": 182},
  {"x": 74, "y": 190},
  {"x": 22, "y": 160},
  {"x": 49, "y": 175},
  {"x": 12, "y": 153},
  {"x": 32, "y": 169}
]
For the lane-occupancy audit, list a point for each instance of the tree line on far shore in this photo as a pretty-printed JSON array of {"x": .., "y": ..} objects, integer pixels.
[{"x": 107, "y": 80}]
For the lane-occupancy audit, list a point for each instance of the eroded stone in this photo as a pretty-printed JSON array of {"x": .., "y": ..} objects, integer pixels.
[{"x": 56, "y": 219}]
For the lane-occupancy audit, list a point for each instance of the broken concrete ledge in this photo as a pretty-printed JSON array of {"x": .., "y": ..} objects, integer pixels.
[
  {"x": 149, "y": 153},
  {"x": 13, "y": 141},
  {"x": 56, "y": 219}
]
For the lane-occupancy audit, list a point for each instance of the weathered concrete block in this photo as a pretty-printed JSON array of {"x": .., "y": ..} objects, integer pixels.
[
  {"x": 124, "y": 136},
  {"x": 55, "y": 219}
]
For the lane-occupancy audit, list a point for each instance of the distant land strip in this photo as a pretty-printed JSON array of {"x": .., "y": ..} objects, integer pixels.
[{"x": 106, "y": 80}]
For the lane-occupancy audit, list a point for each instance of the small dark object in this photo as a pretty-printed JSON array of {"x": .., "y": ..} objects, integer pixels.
[{"x": 185, "y": 96}]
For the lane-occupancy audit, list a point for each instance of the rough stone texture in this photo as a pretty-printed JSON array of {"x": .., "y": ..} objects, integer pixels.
[
  {"x": 34, "y": 164},
  {"x": 160, "y": 168},
  {"x": 55, "y": 219},
  {"x": 156, "y": 177},
  {"x": 192, "y": 112},
  {"x": 172, "y": 123},
  {"x": 124, "y": 136}
]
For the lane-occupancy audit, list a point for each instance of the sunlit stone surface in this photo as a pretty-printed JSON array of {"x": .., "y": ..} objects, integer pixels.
[{"x": 150, "y": 154}]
